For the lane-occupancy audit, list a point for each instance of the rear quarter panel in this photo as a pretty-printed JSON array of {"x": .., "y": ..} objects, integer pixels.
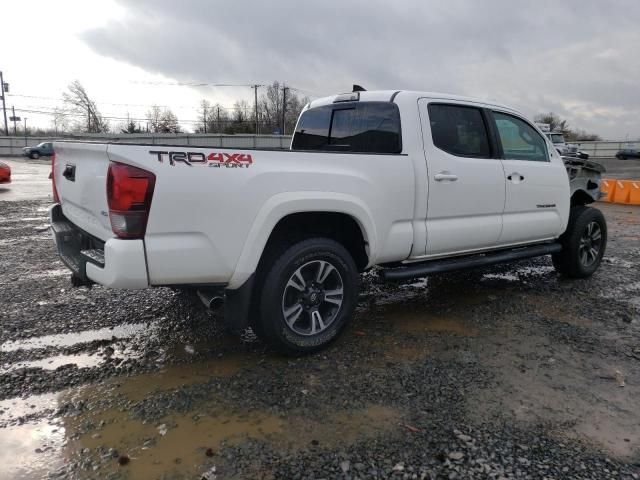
[{"x": 209, "y": 222}]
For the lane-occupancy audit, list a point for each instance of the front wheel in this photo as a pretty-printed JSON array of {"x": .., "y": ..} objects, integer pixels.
[
  {"x": 35, "y": 155},
  {"x": 583, "y": 243},
  {"x": 309, "y": 294}
]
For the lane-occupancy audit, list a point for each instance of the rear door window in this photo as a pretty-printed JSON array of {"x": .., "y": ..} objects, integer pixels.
[
  {"x": 519, "y": 140},
  {"x": 364, "y": 127},
  {"x": 459, "y": 130}
]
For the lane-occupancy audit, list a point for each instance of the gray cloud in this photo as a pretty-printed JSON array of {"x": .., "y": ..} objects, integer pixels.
[{"x": 575, "y": 57}]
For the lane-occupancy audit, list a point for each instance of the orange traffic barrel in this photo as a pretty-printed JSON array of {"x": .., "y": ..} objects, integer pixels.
[
  {"x": 622, "y": 192},
  {"x": 608, "y": 188},
  {"x": 634, "y": 195}
]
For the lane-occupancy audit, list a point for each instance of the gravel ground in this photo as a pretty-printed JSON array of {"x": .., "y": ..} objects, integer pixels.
[{"x": 509, "y": 372}]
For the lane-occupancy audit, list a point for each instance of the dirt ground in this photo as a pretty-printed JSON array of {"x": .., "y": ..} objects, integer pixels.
[{"x": 507, "y": 372}]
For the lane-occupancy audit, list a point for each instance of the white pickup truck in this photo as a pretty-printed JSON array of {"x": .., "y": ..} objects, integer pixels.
[{"x": 413, "y": 183}]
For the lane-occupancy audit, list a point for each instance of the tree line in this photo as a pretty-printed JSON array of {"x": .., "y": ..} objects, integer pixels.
[
  {"x": 557, "y": 124},
  {"x": 277, "y": 107}
]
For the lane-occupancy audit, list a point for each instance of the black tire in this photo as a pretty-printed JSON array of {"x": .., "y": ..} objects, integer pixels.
[
  {"x": 35, "y": 155},
  {"x": 577, "y": 259},
  {"x": 277, "y": 295}
]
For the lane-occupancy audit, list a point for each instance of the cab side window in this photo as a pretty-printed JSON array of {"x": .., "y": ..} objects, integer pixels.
[
  {"x": 363, "y": 127},
  {"x": 459, "y": 130},
  {"x": 519, "y": 140}
]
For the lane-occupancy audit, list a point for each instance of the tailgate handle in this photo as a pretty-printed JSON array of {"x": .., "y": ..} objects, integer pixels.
[{"x": 70, "y": 172}]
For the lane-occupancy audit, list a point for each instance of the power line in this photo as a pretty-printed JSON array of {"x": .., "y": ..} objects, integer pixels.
[
  {"x": 61, "y": 100},
  {"x": 46, "y": 109},
  {"x": 129, "y": 118},
  {"x": 193, "y": 84}
]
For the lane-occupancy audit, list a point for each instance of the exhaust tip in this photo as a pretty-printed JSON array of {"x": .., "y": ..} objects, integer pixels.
[{"x": 211, "y": 300}]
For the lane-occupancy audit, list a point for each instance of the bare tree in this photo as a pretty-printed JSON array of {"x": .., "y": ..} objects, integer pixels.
[
  {"x": 219, "y": 119},
  {"x": 212, "y": 118},
  {"x": 60, "y": 121},
  {"x": 580, "y": 135},
  {"x": 162, "y": 120},
  {"x": 204, "y": 116},
  {"x": 131, "y": 127},
  {"x": 79, "y": 104},
  {"x": 274, "y": 101},
  {"x": 241, "y": 111},
  {"x": 241, "y": 120},
  {"x": 556, "y": 124}
]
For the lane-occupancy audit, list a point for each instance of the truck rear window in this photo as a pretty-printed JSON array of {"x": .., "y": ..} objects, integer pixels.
[{"x": 364, "y": 127}]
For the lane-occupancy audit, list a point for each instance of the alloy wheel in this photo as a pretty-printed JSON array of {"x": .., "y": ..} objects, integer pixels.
[
  {"x": 590, "y": 244},
  {"x": 312, "y": 297}
]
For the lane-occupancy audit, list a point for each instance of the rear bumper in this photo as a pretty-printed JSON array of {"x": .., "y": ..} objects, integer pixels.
[{"x": 115, "y": 263}]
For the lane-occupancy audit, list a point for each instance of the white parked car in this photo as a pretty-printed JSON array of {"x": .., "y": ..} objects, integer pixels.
[{"x": 415, "y": 183}]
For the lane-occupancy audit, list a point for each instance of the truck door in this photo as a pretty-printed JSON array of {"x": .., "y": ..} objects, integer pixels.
[
  {"x": 537, "y": 186},
  {"x": 465, "y": 178}
]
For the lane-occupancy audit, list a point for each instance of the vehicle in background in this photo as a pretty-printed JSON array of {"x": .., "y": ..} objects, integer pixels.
[
  {"x": 413, "y": 183},
  {"x": 5, "y": 173},
  {"x": 557, "y": 138},
  {"x": 44, "y": 149},
  {"x": 628, "y": 153}
]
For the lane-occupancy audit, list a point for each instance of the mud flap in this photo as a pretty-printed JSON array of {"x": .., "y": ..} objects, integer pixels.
[{"x": 237, "y": 304}]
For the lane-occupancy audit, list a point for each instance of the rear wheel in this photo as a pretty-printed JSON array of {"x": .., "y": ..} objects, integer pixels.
[
  {"x": 309, "y": 294},
  {"x": 583, "y": 243}
]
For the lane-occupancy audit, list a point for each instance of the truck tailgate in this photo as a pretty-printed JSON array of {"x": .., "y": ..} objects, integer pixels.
[{"x": 80, "y": 172}]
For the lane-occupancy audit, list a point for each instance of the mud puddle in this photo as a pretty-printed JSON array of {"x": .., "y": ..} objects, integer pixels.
[
  {"x": 173, "y": 377},
  {"x": 179, "y": 444},
  {"x": 13, "y": 409},
  {"x": 31, "y": 451},
  {"x": 92, "y": 426},
  {"x": 81, "y": 360},
  {"x": 421, "y": 322},
  {"x": 69, "y": 339}
]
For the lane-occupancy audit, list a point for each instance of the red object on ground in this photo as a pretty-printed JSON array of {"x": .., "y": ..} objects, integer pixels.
[{"x": 5, "y": 173}]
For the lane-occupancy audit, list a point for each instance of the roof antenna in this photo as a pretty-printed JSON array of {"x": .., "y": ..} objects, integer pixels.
[{"x": 358, "y": 88}]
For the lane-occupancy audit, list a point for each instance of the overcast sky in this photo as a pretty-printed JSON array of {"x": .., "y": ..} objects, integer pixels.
[{"x": 578, "y": 58}]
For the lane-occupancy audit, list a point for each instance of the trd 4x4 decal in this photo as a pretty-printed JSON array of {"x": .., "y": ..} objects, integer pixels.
[{"x": 214, "y": 159}]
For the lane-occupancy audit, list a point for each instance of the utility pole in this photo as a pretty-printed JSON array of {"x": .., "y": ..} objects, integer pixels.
[
  {"x": 255, "y": 91},
  {"x": 218, "y": 123},
  {"x": 4, "y": 88},
  {"x": 13, "y": 110},
  {"x": 25, "y": 131},
  {"x": 205, "y": 110},
  {"x": 88, "y": 118},
  {"x": 284, "y": 107}
]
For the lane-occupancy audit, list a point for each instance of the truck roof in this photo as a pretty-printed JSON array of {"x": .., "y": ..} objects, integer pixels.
[{"x": 388, "y": 95}]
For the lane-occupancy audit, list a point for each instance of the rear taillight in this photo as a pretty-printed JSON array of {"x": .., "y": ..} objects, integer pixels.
[
  {"x": 56, "y": 199},
  {"x": 129, "y": 193}
]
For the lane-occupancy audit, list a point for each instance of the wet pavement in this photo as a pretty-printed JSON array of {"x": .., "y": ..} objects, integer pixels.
[
  {"x": 506, "y": 372},
  {"x": 29, "y": 180},
  {"x": 623, "y": 169}
]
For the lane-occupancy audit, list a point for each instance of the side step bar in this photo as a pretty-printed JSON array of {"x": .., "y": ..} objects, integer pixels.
[{"x": 430, "y": 267}]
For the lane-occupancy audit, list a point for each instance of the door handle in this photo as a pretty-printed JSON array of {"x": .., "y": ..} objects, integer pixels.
[
  {"x": 69, "y": 172},
  {"x": 515, "y": 177},
  {"x": 441, "y": 176}
]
